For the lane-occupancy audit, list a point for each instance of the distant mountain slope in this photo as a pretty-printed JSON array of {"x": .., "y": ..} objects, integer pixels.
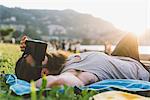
[{"x": 67, "y": 23}]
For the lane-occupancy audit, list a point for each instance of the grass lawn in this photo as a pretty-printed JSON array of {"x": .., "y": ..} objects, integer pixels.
[{"x": 9, "y": 54}]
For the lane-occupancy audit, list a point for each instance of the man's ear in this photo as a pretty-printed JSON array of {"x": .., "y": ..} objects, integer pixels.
[{"x": 44, "y": 71}]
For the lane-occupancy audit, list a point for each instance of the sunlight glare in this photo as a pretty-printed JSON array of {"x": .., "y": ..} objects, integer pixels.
[{"x": 138, "y": 31}]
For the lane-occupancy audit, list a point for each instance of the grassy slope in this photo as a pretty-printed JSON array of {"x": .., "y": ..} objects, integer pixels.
[{"x": 9, "y": 54}]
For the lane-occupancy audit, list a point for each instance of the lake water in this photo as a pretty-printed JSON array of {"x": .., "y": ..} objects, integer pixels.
[{"x": 142, "y": 49}]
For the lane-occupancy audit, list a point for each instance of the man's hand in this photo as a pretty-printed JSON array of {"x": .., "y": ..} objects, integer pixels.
[{"x": 22, "y": 43}]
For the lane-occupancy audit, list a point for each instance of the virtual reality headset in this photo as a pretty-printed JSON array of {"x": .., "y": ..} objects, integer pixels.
[{"x": 37, "y": 49}]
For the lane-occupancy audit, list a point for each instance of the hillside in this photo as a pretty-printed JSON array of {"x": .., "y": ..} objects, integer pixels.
[{"x": 59, "y": 23}]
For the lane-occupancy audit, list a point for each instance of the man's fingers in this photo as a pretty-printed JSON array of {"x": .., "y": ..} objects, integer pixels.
[
  {"x": 24, "y": 38},
  {"x": 22, "y": 47},
  {"x": 22, "y": 43}
]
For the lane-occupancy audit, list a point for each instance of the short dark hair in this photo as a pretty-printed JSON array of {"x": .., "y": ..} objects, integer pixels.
[{"x": 56, "y": 62}]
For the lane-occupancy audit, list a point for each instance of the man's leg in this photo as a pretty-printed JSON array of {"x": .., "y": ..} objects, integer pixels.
[{"x": 127, "y": 47}]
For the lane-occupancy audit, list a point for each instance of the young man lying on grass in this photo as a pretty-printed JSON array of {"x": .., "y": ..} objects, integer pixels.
[{"x": 85, "y": 68}]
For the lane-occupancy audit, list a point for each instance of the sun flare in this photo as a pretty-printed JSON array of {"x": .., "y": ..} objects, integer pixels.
[
  {"x": 137, "y": 34},
  {"x": 138, "y": 31}
]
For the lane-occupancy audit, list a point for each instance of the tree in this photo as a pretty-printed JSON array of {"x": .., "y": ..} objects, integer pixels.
[{"x": 5, "y": 32}]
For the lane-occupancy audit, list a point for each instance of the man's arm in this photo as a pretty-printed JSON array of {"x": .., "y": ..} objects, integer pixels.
[{"x": 66, "y": 78}]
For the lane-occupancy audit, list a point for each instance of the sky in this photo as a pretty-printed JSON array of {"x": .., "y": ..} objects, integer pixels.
[{"x": 127, "y": 15}]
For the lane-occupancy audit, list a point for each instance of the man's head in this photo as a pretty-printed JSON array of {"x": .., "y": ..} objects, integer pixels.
[{"x": 53, "y": 64}]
